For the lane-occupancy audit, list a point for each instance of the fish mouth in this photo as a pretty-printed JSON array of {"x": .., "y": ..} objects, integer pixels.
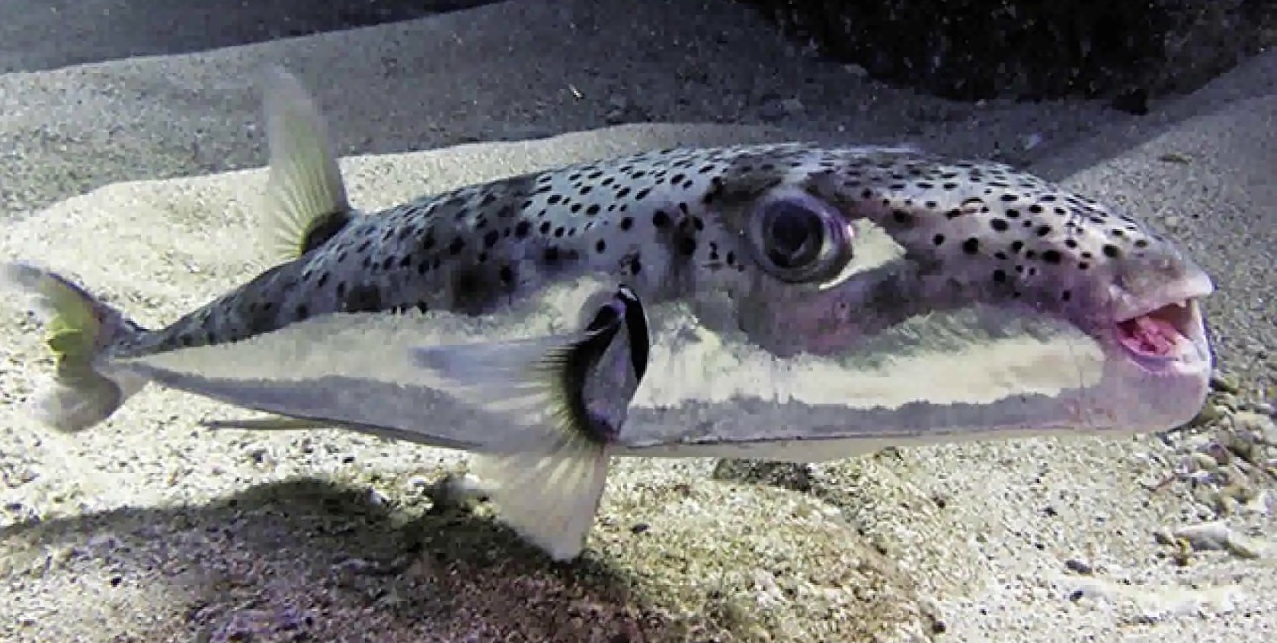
[{"x": 1167, "y": 335}]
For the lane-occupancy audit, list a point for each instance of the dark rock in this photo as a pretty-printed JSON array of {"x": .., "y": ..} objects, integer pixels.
[{"x": 1126, "y": 51}]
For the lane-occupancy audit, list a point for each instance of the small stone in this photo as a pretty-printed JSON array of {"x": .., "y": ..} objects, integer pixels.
[
  {"x": 23, "y": 475},
  {"x": 1217, "y": 536},
  {"x": 1239, "y": 491},
  {"x": 457, "y": 491},
  {"x": 1203, "y": 462},
  {"x": 1079, "y": 567},
  {"x": 353, "y": 566},
  {"x": 1260, "y": 426},
  {"x": 1224, "y": 383},
  {"x": 1208, "y": 415},
  {"x": 416, "y": 483},
  {"x": 260, "y": 456},
  {"x": 1258, "y": 504}
]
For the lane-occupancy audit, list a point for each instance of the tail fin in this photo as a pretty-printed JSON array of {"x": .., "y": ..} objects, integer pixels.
[{"x": 79, "y": 328}]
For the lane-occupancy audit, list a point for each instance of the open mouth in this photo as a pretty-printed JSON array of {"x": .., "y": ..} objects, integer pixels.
[{"x": 1169, "y": 332}]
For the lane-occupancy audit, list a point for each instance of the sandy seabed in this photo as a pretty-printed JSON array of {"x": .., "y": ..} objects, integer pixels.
[{"x": 151, "y": 529}]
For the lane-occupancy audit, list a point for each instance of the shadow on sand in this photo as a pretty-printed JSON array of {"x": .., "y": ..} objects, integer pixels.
[{"x": 311, "y": 560}]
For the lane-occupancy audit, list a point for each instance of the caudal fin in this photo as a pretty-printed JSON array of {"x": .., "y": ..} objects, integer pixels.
[{"x": 79, "y": 328}]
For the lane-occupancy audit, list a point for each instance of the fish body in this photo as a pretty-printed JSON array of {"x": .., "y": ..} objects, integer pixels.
[{"x": 785, "y": 301}]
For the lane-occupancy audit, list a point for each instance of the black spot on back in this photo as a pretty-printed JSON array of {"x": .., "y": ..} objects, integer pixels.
[
  {"x": 469, "y": 292},
  {"x": 262, "y": 317},
  {"x": 364, "y": 298}
]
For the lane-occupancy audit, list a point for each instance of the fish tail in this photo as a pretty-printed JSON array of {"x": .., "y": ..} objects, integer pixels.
[{"x": 80, "y": 327}]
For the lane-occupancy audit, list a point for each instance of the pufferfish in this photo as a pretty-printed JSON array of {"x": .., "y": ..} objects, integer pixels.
[{"x": 789, "y": 301}]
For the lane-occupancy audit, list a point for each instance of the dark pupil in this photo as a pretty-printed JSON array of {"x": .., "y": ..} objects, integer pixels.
[{"x": 793, "y": 235}]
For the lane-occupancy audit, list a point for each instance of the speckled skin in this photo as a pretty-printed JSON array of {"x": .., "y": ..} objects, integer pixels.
[{"x": 671, "y": 223}]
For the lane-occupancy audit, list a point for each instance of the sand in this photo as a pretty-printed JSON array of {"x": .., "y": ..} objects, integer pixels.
[{"x": 152, "y": 529}]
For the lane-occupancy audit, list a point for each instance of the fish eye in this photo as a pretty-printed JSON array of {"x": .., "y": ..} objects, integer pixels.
[{"x": 796, "y": 237}]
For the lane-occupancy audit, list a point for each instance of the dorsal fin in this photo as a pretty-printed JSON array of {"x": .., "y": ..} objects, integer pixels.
[{"x": 305, "y": 202}]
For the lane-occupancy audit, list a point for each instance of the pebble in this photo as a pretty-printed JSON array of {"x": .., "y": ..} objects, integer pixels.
[
  {"x": 261, "y": 456},
  {"x": 1224, "y": 383},
  {"x": 1259, "y": 425},
  {"x": 1214, "y": 535},
  {"x": 1079, "y": 566},
  {"x": 1209, "y": 414},
  {"x": 416, "y": 483}
]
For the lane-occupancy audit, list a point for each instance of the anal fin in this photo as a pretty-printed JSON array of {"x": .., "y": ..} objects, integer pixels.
[{"x": 273, "y": 423}]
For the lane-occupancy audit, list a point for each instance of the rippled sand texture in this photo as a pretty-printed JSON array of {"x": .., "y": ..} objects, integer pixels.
[{"x": 151, "y": 529}]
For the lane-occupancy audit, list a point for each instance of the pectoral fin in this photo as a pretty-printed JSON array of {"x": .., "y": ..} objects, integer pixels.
[
  {"x": 568, "y": 395},
  {"x": 548, "y": 481}
]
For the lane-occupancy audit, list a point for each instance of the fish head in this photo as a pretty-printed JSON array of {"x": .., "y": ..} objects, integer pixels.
[{"x": 925, "y": 282}]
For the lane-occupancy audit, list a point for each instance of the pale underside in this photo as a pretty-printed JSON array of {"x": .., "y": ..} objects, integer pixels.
[{"x": 969, "y": 373}]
